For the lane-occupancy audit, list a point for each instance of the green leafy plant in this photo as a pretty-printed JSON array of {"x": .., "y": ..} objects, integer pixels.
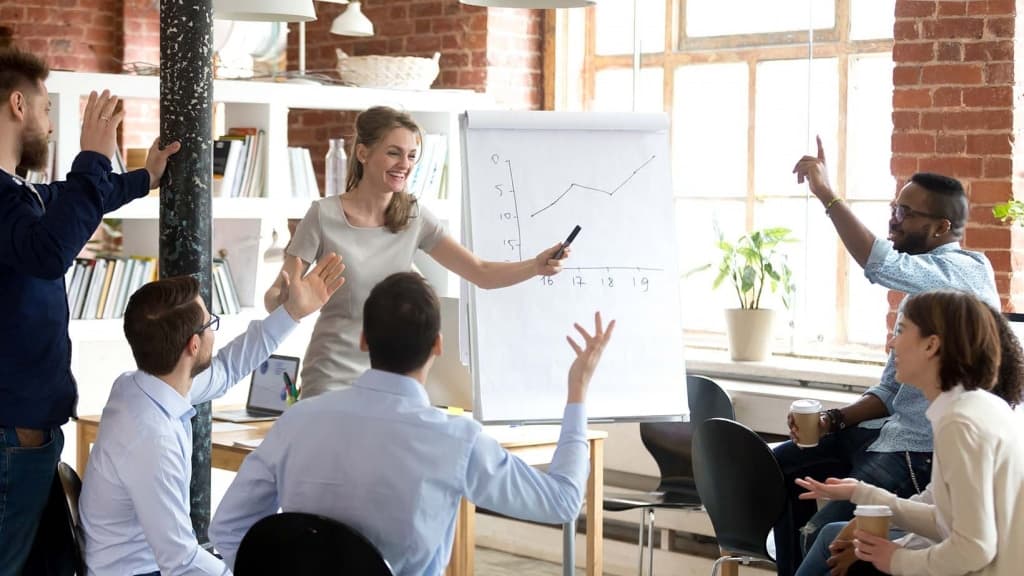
[
  {"x": 1011, "y": 210},
  {"x": 754, "y": 261}
]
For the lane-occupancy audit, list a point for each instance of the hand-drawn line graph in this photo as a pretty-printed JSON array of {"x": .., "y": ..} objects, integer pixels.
[{"x": 575, "y": 185}]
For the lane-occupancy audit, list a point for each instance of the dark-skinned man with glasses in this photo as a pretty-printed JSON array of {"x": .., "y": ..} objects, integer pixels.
[
  {"x": 134, "y": 506},
  {"x": 884, "y": 438}
]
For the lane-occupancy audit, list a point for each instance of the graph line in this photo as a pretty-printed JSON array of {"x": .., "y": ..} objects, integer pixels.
[
  {"x": 612, "y": 192},
  {"x": 515, "y": 204}
]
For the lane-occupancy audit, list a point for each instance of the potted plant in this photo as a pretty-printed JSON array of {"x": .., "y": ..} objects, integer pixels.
[{"x": 753, "y": 263}]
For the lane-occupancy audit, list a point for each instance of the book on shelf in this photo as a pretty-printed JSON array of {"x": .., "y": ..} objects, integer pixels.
[
  {"x": 223, "y": 295},
  {"x": 98, "y": 288},
  {"x": 238, "y": 164},
  {"x": 303, "y": 177}
]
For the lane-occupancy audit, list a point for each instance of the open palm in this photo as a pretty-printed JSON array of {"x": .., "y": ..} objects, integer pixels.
[{"x": 310, "y": 292}]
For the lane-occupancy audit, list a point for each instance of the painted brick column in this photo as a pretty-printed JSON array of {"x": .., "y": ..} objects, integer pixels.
[{"x": 953, "y": 113}]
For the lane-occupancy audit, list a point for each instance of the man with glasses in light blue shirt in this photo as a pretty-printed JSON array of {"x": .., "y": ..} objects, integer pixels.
[
  {"x": 134, "y": 506},
  {"x": 884, "y": 438},
  {"x": 379, "y": 458}
]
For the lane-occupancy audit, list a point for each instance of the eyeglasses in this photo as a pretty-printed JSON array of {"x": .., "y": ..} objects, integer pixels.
[
  {"x": 901, "y": 212},
  {"x": 213, "y": 324}
]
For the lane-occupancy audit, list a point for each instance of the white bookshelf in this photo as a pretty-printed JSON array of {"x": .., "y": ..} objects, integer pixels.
[{"x": 241, "y": 226}]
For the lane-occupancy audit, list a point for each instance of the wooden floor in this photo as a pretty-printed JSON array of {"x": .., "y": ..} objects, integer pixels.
[{"x": 494, "y": 563}]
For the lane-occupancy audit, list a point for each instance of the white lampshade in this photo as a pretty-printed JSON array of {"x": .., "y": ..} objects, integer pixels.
[
  {"x": 265, "y": 10},
  {"x": 352, "y": 22},
  {"x": 531, "y": 3}
]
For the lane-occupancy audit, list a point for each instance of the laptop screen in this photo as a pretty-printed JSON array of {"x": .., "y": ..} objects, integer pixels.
[{"x": 266, "y": 389}]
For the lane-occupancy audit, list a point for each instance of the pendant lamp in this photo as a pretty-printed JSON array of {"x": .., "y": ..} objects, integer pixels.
[
  {"x": 531, "y": 3},
  {"x": 265, "y": 10}
]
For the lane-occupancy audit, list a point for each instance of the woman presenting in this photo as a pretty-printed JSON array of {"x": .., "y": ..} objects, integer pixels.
[{"x": 377, "y": 227}]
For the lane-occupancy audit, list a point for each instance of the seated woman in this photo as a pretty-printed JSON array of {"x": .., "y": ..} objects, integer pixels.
[{"x": 970, "y": 519}]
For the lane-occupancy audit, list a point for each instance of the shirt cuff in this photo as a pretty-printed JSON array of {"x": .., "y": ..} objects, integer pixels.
[
  {"x": 880, "y": 249},
  {"x": 279, "y": 324},
  {"x": 574, "y": 421}
]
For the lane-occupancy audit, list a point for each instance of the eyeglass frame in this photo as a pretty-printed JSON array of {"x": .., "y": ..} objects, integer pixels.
[
  {"x": 213, "y": 324},
  {"x": 901, "y": 211}
]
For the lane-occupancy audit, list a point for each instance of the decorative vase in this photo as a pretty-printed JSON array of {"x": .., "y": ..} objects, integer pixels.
[{"x": 750, "y": 333}]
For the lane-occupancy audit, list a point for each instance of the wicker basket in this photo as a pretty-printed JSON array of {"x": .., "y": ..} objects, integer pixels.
[{"x": 409, "y": 72}]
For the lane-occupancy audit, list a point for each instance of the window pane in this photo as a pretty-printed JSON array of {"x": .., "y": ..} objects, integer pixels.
[
  {"x": 726, "y": 17},
  {"x": 613, "y": 90},
  {"x": 869, "y": 128},
  {"x": 614, "y": 26},
  {"x": 871, "y": 19},
  {"x": 812, "y": 258},
  {"x": 866, "y": 312},
  {"x": 698, "y": 246},
  {"x": 709, "y": 130},
  {"x": 782, "y": 134}
]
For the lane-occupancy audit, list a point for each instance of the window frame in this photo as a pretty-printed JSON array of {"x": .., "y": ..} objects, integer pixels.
[{"x": 751, "y": 49}]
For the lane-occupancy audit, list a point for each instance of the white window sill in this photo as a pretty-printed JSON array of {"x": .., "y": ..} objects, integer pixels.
[
  {"x": 786, "y": 370},
  {"x": 761, "y": 392}
]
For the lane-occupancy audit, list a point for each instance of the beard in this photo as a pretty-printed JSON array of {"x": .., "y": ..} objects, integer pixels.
[
  {"x": 912, "y": 243},
  {"x": 35, "y": 152},
  {"x": 202, "y": 365}
]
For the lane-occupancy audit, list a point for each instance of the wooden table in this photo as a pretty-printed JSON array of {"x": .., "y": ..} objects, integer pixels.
[{"x": 533, "y": 444}]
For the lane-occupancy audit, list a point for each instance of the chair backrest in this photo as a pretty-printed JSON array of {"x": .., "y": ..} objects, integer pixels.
[
  {"x": 740, "y": 484},
  {"x": 300, "y": 543},
  {"x": 670, "y": 442},
  {"x": 72, "y": 488},
  {"x": 707, "y": 399}
]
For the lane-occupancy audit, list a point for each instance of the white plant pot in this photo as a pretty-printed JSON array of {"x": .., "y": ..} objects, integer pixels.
[{"x": 750, "y": 333}]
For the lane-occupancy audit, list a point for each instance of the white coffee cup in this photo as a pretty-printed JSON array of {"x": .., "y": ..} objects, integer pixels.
[
  {"x": 873, "y": 519},
  {"x": 806, "y": 416}
]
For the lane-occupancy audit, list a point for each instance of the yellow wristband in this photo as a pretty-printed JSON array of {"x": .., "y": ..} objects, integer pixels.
[{"x": 832, "y": 203}]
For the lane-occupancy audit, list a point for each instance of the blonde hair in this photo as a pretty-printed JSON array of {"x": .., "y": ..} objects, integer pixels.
[{"x": 371, "y": 126}]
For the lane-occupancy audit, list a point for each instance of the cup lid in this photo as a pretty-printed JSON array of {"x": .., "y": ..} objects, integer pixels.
[
  {"x": 807, "y": 406},
  {"x": 872, "y": 510}
]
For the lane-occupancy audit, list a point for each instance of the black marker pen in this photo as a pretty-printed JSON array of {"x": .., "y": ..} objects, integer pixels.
[{"x": 572, "y": 236}]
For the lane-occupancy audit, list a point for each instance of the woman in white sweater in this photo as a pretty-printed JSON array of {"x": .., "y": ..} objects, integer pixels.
[{"x": 970, "y": 520}]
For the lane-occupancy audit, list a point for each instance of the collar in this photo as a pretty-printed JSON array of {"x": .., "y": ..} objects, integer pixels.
[
  {"x": 947, "y": 247},
  {"x": 943, "y": 403},
  {"x": 167, "y": 398},
  {"x": 391, "y": 383}
]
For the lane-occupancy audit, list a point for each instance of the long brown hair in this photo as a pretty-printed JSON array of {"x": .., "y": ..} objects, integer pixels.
[
  {"x": 970, "y": 350},
  {"x": 371, "y": 126},
  {"x": 1011, "y": 367}
]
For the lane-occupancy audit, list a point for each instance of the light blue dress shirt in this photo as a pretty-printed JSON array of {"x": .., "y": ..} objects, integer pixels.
[
  {"x": 134, "y": 506},
  {"x": 945, "y": 267},
  {"x": 381, "y": 459}
]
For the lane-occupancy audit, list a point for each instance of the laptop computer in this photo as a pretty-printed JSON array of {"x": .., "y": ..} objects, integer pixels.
[{"x": 266, "y": 391}]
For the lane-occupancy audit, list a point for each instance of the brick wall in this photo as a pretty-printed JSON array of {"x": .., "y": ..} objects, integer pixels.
[
  {"x": 953, "y": 113},
  {"x": 497, "y": 51},
  {"x": 80, "y": 35}
]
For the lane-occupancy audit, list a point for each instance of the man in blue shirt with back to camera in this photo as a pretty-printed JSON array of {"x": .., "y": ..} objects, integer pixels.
[
  {"x": 42, "y": 228},
  {"x": 884, "y": 438},
  {"x": 379, "y": 458},
  {"x": 134, "y": 506}
]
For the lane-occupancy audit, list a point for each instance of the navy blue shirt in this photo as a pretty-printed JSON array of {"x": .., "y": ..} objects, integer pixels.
[{"x": 41, "y": 232}]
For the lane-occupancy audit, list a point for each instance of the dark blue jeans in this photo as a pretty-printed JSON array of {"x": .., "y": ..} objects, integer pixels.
[
  {"x": 26, "y": 477},
  {"x": 816, "y": 561},
  {"x": 839, "y": 455}
]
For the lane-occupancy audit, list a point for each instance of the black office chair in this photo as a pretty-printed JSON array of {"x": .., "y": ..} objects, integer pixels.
[
  {"x": 741, "y": 486},
  {"x": 72, "y": 488},
  {"x": 670, "y": 445},
  {"x": 299, "y": 543}
]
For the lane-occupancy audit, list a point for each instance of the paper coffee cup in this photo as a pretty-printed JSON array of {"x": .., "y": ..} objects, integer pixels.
[
  {"x": 805, "y": 414},
  {"x": 873, "y": 519}
]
